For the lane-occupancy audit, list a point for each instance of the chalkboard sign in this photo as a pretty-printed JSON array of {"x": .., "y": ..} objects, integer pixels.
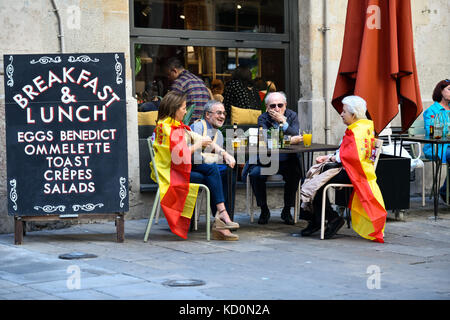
[{"x": 66, "y": 137}]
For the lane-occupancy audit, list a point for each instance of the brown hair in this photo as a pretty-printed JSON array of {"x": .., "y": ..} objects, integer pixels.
[
  {"x": 171, "y": 102},
  {"x": 217, "y": 86},
  {"x": 437, "y": 92}
]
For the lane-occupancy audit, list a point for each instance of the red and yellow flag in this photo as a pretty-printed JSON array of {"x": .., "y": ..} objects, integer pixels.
[
  {"x": 366, "y": 204},
  {"x": 173, "y": 163}
]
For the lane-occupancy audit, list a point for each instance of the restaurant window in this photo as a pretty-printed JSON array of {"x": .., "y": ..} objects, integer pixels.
[
  {"x": 210, "y": 15},
  {"x": 207, "y": 62},
  {"x": 212, "y": 38}
]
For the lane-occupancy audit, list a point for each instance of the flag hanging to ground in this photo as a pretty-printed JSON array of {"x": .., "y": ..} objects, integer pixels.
[
  {"x": 173, "y": 162},
  {"x": 357, "y": 153}
]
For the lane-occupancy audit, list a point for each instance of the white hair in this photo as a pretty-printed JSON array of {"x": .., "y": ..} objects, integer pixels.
[
  {"x": 356, "y": 106},
  {"x": 280, "y": 93}
]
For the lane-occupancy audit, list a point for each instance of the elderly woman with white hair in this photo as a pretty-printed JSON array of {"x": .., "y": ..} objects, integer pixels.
[{"x": 355, "y": 158}]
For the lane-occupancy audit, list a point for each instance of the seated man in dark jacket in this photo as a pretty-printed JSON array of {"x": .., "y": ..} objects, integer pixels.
[{"x": 277, "y": 116}]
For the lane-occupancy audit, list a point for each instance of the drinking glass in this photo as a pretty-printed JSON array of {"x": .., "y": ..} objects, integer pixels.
[
  {"x": 287, "y": 140},
  {"x": 307, "y": 138}
]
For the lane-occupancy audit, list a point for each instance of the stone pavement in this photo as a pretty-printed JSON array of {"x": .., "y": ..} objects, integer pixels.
[{"x": 266, "y": 263}]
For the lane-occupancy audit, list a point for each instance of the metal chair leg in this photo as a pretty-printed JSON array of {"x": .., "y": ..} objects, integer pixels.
[
  {"x": 152, "y": 214},
  {"x": 158, "y": 210}
]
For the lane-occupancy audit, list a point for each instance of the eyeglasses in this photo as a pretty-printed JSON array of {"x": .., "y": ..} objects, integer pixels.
[
  {"x": 219, "y": 113},
  {"x": 273, "y": 106}
]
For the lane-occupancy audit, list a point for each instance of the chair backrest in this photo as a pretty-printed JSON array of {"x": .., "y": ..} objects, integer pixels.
[
  {"x": 152, "y": 158},
  {"x": 387, "y": 131},
  {"x": 417, "y": 128},
  {"x": 378, "y": 148}
]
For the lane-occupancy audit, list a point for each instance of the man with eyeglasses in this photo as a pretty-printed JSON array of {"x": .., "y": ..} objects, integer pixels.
[
  {"x": 277, "y": 116},
  {"x": 216, "y": 158}
]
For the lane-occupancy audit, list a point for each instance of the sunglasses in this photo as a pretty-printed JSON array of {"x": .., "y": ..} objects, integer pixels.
[{"x": 273, "y": 106}]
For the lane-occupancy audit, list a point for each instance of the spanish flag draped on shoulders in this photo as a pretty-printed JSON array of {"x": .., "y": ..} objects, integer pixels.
[
  {"x": 357, "y": 153},
  {"x": 173, "y": 163}
]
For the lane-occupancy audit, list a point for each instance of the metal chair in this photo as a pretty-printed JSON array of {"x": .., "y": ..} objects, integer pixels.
[
  {"x": 415, "y": 152},
  {"x": 378, "y": 144},
  {"x": 156, "y": 202}
]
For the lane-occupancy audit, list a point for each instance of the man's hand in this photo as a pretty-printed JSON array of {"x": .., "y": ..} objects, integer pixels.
[
  {"x": 296, "y": 139},
  {"x": 229, "y": 159},
  {"x": 278, "y": 117}
]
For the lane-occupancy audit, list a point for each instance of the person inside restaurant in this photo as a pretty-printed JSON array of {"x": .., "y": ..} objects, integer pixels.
[
  {"x": 352, "y": 163},
  {"x": 439, "y": 109},
  {"x": 240, "y": 91},
  {"x": 174, "y": 144},
  {"x": 276, "y": 116},
  {"x": 184, "y": 81}
]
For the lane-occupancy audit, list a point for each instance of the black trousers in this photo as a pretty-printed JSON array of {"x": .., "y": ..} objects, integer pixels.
[
  {"x": 330, "y": 214},
  {"x": 290, "y": 171}
]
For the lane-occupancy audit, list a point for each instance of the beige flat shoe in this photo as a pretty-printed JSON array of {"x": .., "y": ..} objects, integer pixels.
[
  {"x": 220, "y": 224},
  {"x": 217, "y": 235}
]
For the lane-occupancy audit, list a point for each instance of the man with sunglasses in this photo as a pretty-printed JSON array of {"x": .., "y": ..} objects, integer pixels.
[{"x": 277, "y": 116}]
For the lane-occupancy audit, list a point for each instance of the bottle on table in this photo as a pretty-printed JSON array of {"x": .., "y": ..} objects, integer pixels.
[
  {"x": 236, "y": 140},
  {"x": 261, "y": 140},
  {"x": 281, "y": 137},
  {"x": 432, "y": 127}
]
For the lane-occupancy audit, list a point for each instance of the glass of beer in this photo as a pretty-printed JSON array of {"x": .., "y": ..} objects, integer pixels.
[
  {"x": 236, "y": 143},
  {"x": 287, "y": 140},
  {"x": 307, "y": 137}
]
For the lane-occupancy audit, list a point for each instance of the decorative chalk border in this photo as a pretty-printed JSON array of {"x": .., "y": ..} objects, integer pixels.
[
  {"x": 45, "y": 60},
  {"x": 10, "y": 72},
  {"x": 118, "y": 68},
  {"x": 83, "y": 58},
  {"x": 13, "y": 193}
]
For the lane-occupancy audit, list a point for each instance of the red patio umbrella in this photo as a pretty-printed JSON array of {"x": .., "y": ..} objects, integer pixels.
[{"x": 378, "y": 62}]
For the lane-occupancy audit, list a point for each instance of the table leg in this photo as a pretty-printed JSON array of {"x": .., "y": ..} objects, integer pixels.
[
  {"x": 231, "y": 195},
  {"x": 436, "y": 164}
]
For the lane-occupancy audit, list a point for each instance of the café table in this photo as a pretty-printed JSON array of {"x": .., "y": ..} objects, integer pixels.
[
  {"x": 306, "y": 161},
  {"x": 436, "y": 163}
]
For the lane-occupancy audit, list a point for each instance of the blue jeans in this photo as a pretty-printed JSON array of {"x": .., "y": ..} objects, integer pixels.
[
  {"x": 214, "y": 176},
  {"x": 443, "y": 189}
]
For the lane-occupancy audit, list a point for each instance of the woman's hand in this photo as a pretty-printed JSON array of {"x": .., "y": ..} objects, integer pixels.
[
  {"x": 326, "y": 158},
  {"x": 206, "y": 141},
  {"x": 200, "y": 144},
  {"x": 296, "y": 139},
  {"x": 321, "y": 159}
]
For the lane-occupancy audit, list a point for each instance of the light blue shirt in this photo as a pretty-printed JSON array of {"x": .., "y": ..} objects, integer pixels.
[{"x": 434, "y": 110}]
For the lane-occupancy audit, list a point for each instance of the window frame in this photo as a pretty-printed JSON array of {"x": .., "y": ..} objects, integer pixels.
[{"x": 287, "y": 41}]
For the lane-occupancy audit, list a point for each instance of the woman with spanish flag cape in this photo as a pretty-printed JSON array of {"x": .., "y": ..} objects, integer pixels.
[
  {"x": 173, "y": 162},
  {"x": 173, "y": 144},
  {"x": 366, "y": 204},
  {"x": 357, "y": 155}
]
